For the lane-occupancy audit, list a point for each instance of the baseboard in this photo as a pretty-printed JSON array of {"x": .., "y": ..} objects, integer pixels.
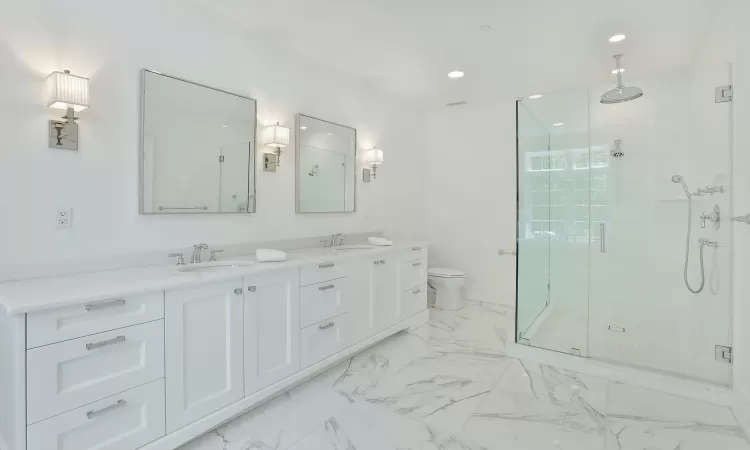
[
  {"x": 741, "y": 410},
  {"x": 208, "y": 423},
  {"x": 659, "y": 381}
]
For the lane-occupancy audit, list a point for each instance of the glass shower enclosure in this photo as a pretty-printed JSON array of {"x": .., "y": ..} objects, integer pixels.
[{"x": 602, "y": 226}]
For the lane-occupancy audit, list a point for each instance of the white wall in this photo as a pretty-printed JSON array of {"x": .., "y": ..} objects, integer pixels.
[
  {"x": 471, "y": 196},
  {"x": 110, "y": 42}
]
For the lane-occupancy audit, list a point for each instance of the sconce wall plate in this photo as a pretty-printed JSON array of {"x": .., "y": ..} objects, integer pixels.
[
  {"x": 270, "y": 162},
  {"x": 63, "y": 135}
]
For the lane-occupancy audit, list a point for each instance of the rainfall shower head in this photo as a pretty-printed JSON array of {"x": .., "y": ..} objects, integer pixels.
[
  {"x": 678, "y": 179},
  {"x": 621, "y": 93}
]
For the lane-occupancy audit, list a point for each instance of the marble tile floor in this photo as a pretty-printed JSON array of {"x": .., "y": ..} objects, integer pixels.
[{"x": 449, "y": 386}]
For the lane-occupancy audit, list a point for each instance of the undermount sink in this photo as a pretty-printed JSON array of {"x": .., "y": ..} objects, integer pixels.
[
  {"x": 214, "y": 266},
  {"x": 354, "y": 247}
]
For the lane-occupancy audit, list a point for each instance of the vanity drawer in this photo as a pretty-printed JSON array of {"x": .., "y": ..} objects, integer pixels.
[
  {"x": 323, "y": 300},
  {"x": 323, "y": 339},
  {"x": 413, "y": 301},
  {"x": 413, "y": 273},
  {"x": 320, "y": 272},
  {"x": 71, "y": 322},
  {"x": 124, "y": 421},
  {"x": 69, "y": 374},
  {"x": 416, "y": 252}
]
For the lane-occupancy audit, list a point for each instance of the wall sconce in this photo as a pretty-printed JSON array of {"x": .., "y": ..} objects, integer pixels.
[
  {"x": 70, "y": 93},
  {"x": 374, "y": 158},
  {"x": 274, "y": 136}
]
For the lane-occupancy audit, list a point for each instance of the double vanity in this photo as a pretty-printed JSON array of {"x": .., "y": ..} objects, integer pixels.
[{"x": 153, "y": 357}]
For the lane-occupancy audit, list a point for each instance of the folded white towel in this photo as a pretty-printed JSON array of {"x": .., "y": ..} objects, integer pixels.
[
  {"x": 269, "y": 255},
  {"x": 379, "y": 241}
]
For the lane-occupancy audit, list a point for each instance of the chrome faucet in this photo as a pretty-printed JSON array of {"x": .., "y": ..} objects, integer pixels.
[
  {"x": 340, "y": 237},
  {"x": 197, "y": 250}
]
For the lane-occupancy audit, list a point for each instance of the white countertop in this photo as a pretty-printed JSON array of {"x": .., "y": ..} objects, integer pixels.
[{"x": 38, "y": 294}]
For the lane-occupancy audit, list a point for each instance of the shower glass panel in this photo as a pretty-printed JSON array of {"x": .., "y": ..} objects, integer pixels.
[
  {"x": 533, "y": 217},
  {"x": 557, "y": 193},
  {"x": 616, "y": 224}
]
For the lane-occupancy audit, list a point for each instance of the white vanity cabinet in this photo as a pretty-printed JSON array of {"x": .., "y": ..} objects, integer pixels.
[
  {"x": 204, "y": 341},
  {"x": 272, "y": 330},
  {"x": 157, "y": 360}
]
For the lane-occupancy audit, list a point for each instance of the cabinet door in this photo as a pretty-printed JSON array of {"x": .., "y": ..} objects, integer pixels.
[
  {"x": 272, "y": 328},
  {"x": 384, "y": 291},
  {"x": 203, "y": 350}
]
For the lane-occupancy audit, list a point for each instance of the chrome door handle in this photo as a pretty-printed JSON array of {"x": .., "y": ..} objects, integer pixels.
[
  {"x": 325, "y": 288},
  {"x": 95, "y": 345},
  {"x": 326, "y": 265},
  {"x": 325, "y": 327},
  {"x": 602, "y": 237},
  {"x": 119, "y": 404},
  {"x": 94, "y": 306}
]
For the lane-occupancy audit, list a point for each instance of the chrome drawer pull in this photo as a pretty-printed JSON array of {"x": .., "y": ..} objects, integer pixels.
[
  {"x": 96, "y": 345},
  {"x": 238, "y": 291},
  {"x": 417, "y": 264},
  {"x": 105, "y": 305},
  {"x": 416, "y": 291},
  {"x": 325, "y": 288},
  {"x": 325, "y": 327},
  {"x": 416, "y": 249},
  {"x": 119, "y": 404},
  {"x": 326, "y": 265}
]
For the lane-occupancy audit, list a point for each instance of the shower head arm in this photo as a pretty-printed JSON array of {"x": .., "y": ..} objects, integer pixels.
[{"x": 619, "y": 71}]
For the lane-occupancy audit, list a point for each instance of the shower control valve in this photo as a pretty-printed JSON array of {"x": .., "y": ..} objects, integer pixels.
[
  {"x": 708, "y": 243},
  {"x": 714, "y": 217}
]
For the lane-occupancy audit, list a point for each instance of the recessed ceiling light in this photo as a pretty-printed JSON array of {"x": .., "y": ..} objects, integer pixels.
[
  {"x": 456, "y": 74},
  {"x": 535, "y": 96},
  {"x": 225, "y": 126},
  {"x": 617, "y": 38},
  {"x": 302, "y": 128},
  {"x": 558, "y": 124},
  {"x": 330, "y": 134},
  {"x": 614, "y": 71}
]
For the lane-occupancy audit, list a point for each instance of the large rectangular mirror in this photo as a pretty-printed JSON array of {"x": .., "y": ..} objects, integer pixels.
[
  {"x": 326, "y": 166},
  {"x": 197, "y": 148}
]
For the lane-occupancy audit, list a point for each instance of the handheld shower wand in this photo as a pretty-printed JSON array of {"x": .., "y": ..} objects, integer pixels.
[{"x": 680, "y": 180}]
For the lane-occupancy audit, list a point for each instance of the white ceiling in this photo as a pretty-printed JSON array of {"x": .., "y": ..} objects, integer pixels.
[{"x": 407, "y": 47}]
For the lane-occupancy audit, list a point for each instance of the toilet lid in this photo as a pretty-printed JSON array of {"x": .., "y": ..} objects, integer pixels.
[{"x": 446, "y": 273}]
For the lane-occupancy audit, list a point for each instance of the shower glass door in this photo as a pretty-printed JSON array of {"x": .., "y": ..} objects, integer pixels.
[
  {"x": 553, "y": 236},
  {"x": 641, "y": 310}
]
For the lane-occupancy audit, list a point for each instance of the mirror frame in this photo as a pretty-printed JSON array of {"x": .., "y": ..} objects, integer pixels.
[
  {"x": 142, "y": 159},
  {"x": 297, "y": 164}
]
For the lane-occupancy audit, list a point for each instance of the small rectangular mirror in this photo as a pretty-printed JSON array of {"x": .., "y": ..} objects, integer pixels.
[
  {"x": 326, "y": 166},
  {"x": 197, "y": 148}
]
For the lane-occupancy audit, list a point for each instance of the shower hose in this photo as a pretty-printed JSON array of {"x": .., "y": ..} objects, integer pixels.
[{"x": 687, "y": 252}]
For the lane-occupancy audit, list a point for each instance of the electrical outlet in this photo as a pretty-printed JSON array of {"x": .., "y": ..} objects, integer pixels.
[{"x": 62, "y": 219}]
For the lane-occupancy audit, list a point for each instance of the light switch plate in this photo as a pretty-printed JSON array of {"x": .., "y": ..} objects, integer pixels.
[{"x": 270, "y": 162}]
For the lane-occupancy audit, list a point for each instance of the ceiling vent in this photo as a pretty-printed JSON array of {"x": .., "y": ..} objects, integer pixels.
[{"x": 461, "y": 103}]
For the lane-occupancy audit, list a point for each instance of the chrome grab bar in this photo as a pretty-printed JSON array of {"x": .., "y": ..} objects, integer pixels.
[
  {"x": 325, "y": 288},
  {"x": 743, "y": 219},
  {"x": 326, "y": 265},
  {"x": 325, "y": 327},
  {"x": 204, "y": 208},
  {"x": 120, "y": 403},
  {"x": 602, "y": 237},
  {"x": 96, "y": 345},
  {"x": 94, "y": 306}
]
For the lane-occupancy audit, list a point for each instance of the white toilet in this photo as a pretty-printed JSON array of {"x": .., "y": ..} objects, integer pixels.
[{"x": 445, "y": 288}]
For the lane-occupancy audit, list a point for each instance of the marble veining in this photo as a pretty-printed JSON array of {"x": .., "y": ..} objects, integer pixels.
[{"x": 449, "y": 386}]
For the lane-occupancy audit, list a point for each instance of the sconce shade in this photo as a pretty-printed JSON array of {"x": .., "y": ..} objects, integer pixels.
[
  {"x": 67, "y": 91},
  {"x": 374, "y": 157},
  {"x": 276, "y": 136}
]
